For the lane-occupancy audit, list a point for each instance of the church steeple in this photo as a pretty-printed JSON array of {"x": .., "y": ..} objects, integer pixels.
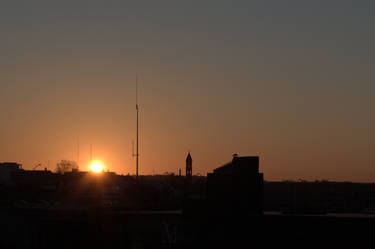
[{"x": 189, "y": 166}]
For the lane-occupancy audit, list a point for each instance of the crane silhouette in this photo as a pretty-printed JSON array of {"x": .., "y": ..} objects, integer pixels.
[{"x": 36, "y": 166}]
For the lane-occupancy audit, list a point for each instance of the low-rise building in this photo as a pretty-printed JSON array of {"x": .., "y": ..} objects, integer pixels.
[
  {"x": 236, "y": 187},
  {"x": 6, "y": 169}
]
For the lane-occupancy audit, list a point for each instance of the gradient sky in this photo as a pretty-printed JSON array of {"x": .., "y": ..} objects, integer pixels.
[{"x": 290, "y": 81}]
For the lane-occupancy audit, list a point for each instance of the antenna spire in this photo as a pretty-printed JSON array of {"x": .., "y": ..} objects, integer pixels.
[
  {"x": 137, "y": 110},
  {"x": 136, "y": 92},
  {"x": 78, "y": 151},
  {"x": 90, "y": 153}
]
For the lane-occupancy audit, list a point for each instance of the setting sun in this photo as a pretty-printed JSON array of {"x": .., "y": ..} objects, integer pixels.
[{"x": 96, "y": 167}]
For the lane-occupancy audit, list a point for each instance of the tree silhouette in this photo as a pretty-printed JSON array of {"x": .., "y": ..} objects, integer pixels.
[{"x": 66, "y": 166}]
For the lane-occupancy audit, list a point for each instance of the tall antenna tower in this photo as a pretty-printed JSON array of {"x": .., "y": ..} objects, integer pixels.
[
  {"x": 78, "y": 151},
  {"x": 137, "y": 140},
  {"x": 90, "y": 153}
]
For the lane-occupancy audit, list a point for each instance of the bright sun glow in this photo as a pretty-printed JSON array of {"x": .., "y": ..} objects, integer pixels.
[{"x": 96, "y": 167}]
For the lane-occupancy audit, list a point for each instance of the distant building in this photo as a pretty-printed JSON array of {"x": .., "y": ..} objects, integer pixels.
[
  {"x": 6, "y": 170},
  {"x": 236, "y": 187},
  {"x": 189, "y": 167},
  {"x": 10, "y": 166},
  {"x": 35, "y": 179}
]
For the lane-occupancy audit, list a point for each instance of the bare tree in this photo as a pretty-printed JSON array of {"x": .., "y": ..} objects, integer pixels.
[{"x": 66, "y": 166}]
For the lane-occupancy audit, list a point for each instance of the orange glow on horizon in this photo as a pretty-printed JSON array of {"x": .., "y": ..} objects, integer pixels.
[{"x": 96, "y": 167}]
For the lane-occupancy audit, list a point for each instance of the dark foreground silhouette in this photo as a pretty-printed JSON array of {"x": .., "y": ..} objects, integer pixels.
[
  {"x": 40, "y": 209},
  {"x": 149, "y": 229}
]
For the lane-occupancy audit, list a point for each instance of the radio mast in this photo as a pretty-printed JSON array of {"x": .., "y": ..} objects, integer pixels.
[
  {"x": 137, "y": 109},
  {"x": 90, "y": 153},
  {"x": 78, "y": 152}
]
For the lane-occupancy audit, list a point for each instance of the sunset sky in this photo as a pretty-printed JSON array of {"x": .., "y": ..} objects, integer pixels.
[{"x": 290, "y": 81}]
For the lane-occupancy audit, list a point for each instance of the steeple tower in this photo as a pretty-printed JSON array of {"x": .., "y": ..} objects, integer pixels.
[{"x": 189, "y": 166}]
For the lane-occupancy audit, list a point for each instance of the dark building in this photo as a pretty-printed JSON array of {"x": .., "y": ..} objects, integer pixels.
[
  {"x": 236, "y": 187},
  {"x": 11, "y": 166},
  {"x": 6, "y": 169},
  {"x": 189, "y": 167},
  {"x": 35, "y": 179}
]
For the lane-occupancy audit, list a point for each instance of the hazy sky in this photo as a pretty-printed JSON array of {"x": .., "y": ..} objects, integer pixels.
[{"x": 290, "y": 81}]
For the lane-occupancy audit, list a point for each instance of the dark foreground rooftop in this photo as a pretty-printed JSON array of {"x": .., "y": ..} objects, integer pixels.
[{"x": 105, "y": 228}]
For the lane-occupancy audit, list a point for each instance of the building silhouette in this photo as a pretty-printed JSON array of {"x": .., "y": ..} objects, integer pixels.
[
  {"x": 189, "y": 167},
  {"x": 6, "y": 171},
  {"x": 236, "y": 187}
]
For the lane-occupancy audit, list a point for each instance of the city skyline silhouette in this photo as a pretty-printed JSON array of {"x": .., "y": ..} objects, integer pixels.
[
  {"x": 290, "y": 82},
  {"x": 187, "y": 124}
]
